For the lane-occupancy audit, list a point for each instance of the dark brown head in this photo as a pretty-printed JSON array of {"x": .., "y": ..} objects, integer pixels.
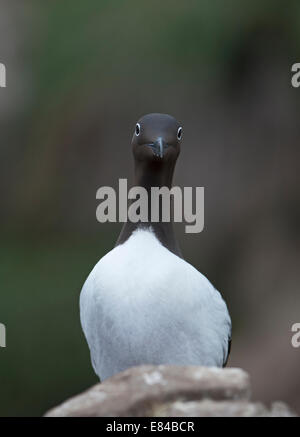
[{"x": 157, "y": 138}]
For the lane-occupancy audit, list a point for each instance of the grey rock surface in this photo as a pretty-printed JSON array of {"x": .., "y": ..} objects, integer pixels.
[{"x": 170, "y": 391}]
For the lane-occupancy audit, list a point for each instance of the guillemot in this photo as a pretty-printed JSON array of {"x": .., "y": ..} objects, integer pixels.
[{"x": 143, "y": 303}]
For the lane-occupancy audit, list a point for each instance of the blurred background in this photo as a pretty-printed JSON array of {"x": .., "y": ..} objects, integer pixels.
[{"x": 79, "y": 75}]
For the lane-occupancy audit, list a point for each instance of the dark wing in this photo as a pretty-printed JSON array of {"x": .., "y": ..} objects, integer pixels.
[{"x": 228, "y": 351}]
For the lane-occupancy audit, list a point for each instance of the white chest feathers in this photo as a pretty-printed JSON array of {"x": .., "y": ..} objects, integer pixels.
[{"x": 141, "y": 304}]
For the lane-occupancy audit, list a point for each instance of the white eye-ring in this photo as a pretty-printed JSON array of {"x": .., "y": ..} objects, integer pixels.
[
  {"x": 179, "y": 133},
  {"x": 137, "y": 129}
]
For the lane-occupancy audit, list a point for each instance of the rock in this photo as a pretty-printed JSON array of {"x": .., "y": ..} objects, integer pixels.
[
  {"x": 280, "y": 409},
  {"x": 210, "y": 408},
  {"x": 169, "y": 391}
]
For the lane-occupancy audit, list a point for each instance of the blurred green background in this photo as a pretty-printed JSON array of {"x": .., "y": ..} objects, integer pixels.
[{"x": 79, "y": 75}]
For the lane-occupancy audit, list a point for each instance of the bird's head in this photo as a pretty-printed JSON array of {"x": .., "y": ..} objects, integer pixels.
[{"x": 157, "y": 138}]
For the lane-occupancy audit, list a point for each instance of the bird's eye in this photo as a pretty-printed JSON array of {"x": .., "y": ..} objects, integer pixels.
[
  {"x": 137, "y": 129},
  {"x": 179, "y": 133}
]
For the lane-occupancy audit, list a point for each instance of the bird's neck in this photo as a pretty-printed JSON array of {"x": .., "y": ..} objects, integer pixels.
[
  {"x": 159, "y": 175},
  {"x": 155, "y": 174}
]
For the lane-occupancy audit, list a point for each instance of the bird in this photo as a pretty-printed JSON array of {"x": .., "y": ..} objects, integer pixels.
[{"x": 143, "y": 303}]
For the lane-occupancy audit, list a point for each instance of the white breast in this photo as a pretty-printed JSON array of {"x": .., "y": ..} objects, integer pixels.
[{"x": 141, "y": 304}]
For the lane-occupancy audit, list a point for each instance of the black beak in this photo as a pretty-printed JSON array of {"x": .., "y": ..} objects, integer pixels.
[{"x": 158, "y": 147}]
